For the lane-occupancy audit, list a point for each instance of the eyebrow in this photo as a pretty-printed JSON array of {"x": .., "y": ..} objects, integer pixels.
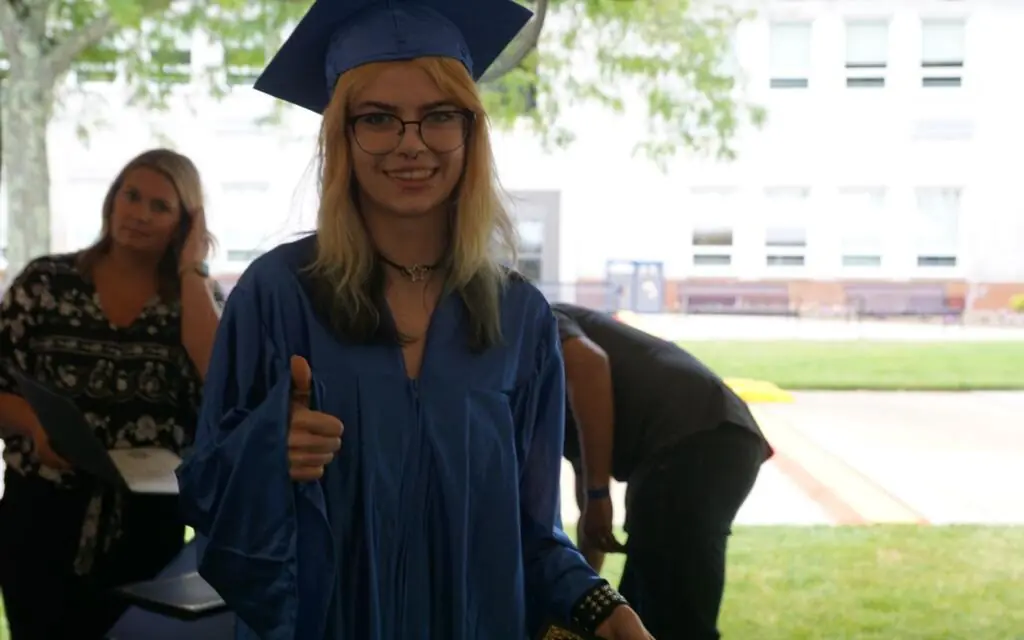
[
  {"x": 131, "y": 187},
  {"x": 390, "y": 108}
]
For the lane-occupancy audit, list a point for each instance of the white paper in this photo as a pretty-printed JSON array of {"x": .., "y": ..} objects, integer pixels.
[{"x": 147, "y": 470}]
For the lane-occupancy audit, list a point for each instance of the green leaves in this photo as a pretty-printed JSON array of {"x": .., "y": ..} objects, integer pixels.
[
  {"x": 149, "y": 43},
  {"x": 665, "y": 58}
]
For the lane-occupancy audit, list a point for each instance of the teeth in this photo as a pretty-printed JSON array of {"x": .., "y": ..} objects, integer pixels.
[{"x": 417, "y": 174}]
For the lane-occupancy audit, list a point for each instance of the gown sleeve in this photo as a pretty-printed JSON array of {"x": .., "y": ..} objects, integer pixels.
[
  {"x": 557, "y": 576},
  {"x": 18, "y": 313},
  {"x": 234, "y": 486}
]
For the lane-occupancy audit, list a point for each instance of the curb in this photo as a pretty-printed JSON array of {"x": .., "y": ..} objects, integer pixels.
[{"x": 847, "y": 495}]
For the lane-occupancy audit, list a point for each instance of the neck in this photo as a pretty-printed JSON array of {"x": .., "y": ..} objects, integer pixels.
[
  {"x": 409, "y": 241},
  {"x": 126, "y": 261}
]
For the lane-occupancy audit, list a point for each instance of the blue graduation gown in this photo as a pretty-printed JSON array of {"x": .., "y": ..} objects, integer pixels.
[{"x": 439, "y": 518}]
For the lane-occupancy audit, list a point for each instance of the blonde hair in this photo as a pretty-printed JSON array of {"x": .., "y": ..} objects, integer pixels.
[
  {"x": 481, "y": 228},
  {"x": 184, "y": 176}
]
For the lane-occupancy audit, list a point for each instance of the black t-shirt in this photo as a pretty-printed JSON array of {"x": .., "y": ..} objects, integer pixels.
[{"x": 662, "y": 393}]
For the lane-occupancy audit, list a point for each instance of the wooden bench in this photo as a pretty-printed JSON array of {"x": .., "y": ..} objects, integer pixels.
[
  {"x": 741, "y": 298},
  {"x": 891, "y": 300}
]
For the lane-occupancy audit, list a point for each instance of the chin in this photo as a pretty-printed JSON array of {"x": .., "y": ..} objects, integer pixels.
[
  {"x": 137, "y": 246},
  {"x": 415, "y": 208}
]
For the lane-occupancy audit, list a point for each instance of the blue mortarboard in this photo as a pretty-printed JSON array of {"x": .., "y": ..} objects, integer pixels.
[{"x": 338, "y": 35}]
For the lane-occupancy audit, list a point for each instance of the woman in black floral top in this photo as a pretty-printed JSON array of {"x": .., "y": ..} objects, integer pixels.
[{"x": 125, "y": 328}]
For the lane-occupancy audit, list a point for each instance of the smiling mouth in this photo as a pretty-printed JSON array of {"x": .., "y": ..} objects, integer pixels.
[{"x": 412, "y": 175}]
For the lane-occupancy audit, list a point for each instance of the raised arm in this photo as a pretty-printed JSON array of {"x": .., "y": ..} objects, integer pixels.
[{"x": 235, "y": 487}]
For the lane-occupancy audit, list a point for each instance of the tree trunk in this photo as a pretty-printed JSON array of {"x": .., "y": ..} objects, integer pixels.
[
  {"x": 2, "y": 87},
  {"x": 27, "y": 103}
]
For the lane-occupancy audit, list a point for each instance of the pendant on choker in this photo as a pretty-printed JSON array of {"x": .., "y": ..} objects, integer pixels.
[{"x": 415, "y": 273}]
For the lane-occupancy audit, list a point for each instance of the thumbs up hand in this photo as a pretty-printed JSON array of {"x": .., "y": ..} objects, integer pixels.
[{"x": 313, "y": 437}]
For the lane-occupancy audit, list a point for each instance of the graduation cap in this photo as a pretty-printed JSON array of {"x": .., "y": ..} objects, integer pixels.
[{"x": 338, "y": 35}]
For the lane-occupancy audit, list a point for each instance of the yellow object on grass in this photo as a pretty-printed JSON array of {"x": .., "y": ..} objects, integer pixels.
[{"x": 758, "y": 391}]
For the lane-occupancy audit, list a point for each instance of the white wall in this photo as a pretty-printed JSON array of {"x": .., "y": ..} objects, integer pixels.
[{"x": 617, "y": 206}]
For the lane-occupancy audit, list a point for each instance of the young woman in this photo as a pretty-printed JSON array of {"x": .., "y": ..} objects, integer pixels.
[
  {"x": 125, "y": 328},
  {"x": 379, "y": 450}
]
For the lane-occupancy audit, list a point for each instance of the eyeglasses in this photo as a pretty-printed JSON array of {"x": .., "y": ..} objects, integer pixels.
[{"x": 441, "y": 131}]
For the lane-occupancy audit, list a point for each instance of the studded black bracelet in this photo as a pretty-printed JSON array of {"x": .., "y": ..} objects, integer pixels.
[{"x": 596, "y": 606}]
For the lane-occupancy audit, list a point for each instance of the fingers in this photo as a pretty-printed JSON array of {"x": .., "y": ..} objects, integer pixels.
[
  {"x": 310, "y": 459},
  {"x": 306, "y": 474},
  {"x": 54, "y": 461},
  {"x": 302, "y": 381},
  {"x": 315, "y": 423},
  {"x": 611, "y": 545},
  {"x": 326, "y": 441},
  {"x": 605, "y": 541}
]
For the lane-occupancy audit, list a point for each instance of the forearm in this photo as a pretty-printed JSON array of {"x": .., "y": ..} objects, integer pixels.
[
  {"x": 592, "y": 405},
  {"x": 16, "y": 416},
  {"x": 200, "y": 315},
  {"x": 555, "y": 571}
]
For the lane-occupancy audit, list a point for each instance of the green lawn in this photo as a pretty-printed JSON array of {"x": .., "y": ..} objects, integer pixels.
[
  {"x": 869, "y": 365},
  {"x": 871, "y": 583}
]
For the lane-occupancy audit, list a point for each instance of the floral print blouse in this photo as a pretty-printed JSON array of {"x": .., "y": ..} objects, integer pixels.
[{"x": 136, "y": 385}]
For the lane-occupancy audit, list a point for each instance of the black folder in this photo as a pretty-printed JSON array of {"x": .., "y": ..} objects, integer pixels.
[
  {"x": 185, "y": 597},
  {"x": 69, "y": 433},
  {"x": 72, "y": 438}
]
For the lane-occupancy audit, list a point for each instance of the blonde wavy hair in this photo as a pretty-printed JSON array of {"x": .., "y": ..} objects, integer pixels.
[
  {"x": 183, "y": 174},
  {"x": 482, "y": 232}
]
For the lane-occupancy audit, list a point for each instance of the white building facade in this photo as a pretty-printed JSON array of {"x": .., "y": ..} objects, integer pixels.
[{"x": 894, "y": 135}]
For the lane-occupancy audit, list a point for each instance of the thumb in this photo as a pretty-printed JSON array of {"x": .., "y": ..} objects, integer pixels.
[{"x": 302, "y": 380}]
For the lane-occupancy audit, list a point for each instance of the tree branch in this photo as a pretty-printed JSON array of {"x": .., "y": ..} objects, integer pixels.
[
  {"x": 524, "y": 44},
  {"x": 66, "y": 51}
]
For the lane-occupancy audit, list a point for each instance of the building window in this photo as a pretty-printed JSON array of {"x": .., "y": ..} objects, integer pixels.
[
  {"x": 244, "y": 65},
  {"x": 867, "y": 53},
  {"x": 711, "y": 240},
  {"x": 937, "y": 229},
  {"x": 531, "y": 236},
  {"x": 174, "y": 66},
  {"x": 790, "y": 56},
  {"x": 712, "y": 246},
  {"x": 942, "y": 52},
  {"x": 531, "y": 248},
  {"x": 98, "y": 63},
  {"x": 530, "y": 268},
  {"x": 862, "y": 227},
  {"x": 785, "y": 230}
]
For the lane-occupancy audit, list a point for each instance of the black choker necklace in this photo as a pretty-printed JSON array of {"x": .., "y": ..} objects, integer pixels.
[{"x": 416, "y": 273}]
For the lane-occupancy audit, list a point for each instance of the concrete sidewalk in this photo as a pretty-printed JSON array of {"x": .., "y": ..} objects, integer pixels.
[{"x": 866, "y": 457}]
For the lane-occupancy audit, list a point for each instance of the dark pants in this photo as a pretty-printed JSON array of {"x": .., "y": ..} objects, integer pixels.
[
  {"x": 40, "y": 526},
  {"x": 679, "y": 518}
]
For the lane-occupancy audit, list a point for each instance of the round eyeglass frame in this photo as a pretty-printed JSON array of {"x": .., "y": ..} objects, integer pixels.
[{"x": 468, "y": 114}]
